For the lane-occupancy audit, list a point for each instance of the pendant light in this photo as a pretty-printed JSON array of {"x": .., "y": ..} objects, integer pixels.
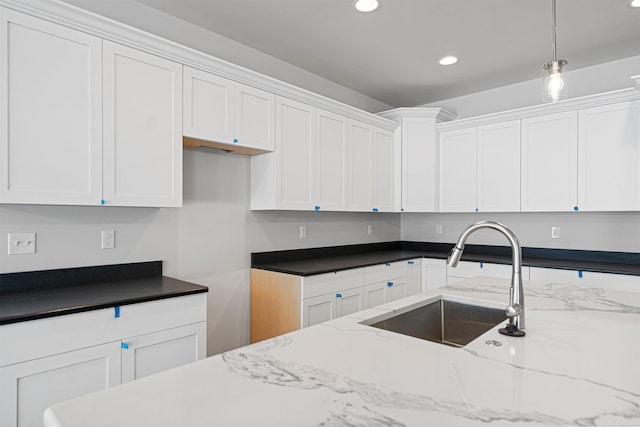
[{"x": 554, "y": 78}]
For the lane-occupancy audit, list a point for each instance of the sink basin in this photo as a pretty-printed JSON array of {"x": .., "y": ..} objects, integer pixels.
[{"x": 445, "y": 322}]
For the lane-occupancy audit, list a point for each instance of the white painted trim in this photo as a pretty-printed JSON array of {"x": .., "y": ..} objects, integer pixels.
[
  {"x": 108, "y": 29},
  {"x": 543, "y": 109},
  {"x": 439, "y": 114},
  {"x": 636, "y": 81}
]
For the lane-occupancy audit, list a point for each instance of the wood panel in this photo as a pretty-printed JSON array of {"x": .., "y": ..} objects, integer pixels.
[{"x": 275, "y": 304}]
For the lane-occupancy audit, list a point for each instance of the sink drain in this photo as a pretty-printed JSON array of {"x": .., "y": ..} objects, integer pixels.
[{"x": 493, "y": 343}]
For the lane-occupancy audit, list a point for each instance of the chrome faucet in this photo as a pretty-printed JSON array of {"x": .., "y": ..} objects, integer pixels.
[{"x": 515, "y": 309}]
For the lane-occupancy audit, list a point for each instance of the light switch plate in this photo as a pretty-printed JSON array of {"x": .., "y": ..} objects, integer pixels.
[{"x": 22, "y": 243}]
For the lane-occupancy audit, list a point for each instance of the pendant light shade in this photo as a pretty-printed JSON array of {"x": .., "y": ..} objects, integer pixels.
[{"x": 554, "y": 76}]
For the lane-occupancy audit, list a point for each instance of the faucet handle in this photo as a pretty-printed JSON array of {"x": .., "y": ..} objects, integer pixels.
[{"x": 512, "y": 310}]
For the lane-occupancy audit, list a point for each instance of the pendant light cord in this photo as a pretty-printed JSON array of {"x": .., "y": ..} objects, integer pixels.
[{"x": 553, "y": 17}]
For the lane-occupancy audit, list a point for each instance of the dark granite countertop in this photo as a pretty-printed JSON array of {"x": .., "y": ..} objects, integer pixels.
[
  {"x": 41, "y": 294},
  {"x": 308, "y": 262}
]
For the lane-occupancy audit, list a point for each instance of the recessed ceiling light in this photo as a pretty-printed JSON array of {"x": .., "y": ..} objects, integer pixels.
[
  {"x": 366, "y": 5},
  {"x": 448, "y": 60},
  {"x": 634, "y": 3}
]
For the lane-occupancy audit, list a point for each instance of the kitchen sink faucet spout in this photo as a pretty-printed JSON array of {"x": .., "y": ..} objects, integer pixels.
[{"x": 515, "y": 309}]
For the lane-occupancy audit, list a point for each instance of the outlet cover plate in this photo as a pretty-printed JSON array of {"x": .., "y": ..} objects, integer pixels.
[{"x": 22, "y": 243}]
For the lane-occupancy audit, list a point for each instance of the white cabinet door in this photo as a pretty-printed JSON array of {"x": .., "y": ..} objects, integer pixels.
[
  {"x": 396, "y": 289},
  {"x": 458, "y": 171},
  {"x": 550, "y": 163},
  {"x": 498, "y": 163},
  {"x": 254, "y": 118},
  {"x": 318, "y": 309},
  {"x": 295, "y": 135},
  {"x": 156, "y": 352},
  {"x": 142, "y": 142},
  {"x": 384, "y": 179},
  {"x": 434, "y": 273},
  {"x": 419, "y": 166},
  {"x": 208, "y": 106},
  {"x": 360, "y": 166},
  {"x": 414, "y": 276},
  {"x": 349, "y": 301},
  {"x": 50, "y": 113},
  {"x": 331, "y": 161},
  {"x": 28, "y": 388},
  {"x": 608, "y": 157},
  {"x": 382, "y": 292}
]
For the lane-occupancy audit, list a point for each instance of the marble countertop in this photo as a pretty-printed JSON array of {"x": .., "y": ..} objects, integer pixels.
[{"x": 579, "y": 364}]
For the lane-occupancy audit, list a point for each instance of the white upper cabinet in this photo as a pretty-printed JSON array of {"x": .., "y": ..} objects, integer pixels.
[
  {"x": 498, "y": 184},
  {"x": 331, "y": 161},
  {"x": 208, "y": 106},
  {"x": 609, "y": 157},
  {"x": 50, "y": 113},
  {"x": 221, "y": 113},
  {"x": 480, "y": 168},
  {"x": 384, "y": 171},
  {"x": 458, "y": 170},
  {"x": 550, "y": 162},
  {"x": 142, "y": 163},
  {"x": 295, "y": 137},
  {"x": 360, "y": 166}
]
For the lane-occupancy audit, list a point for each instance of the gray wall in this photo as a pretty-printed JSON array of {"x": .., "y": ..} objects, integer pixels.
[{"x": 207, "y": 241}]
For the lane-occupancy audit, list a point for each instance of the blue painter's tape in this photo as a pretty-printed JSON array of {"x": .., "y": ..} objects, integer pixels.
[
  {"x": 117, "y": 311},
  {"x": 481, "y": 264},
  {"x": 387, "y": 264},
  {"x": 317, "y": 208},
  {"x": 410, "y": 262},
  {"x": 102, "y": 202},
  {"x": 580, "y": 274},
  {"x": 375, "y": 209},
  {"x": 124, "y": 345},
  {"x": 235, "y": 140},
  {"x": 575, "y": 208},
  {"x": 338, "y": 295},
  {"x": 401, "y": 209},
  {"x": 476, "y": 209},
  {"x": 389, "y": 284}
]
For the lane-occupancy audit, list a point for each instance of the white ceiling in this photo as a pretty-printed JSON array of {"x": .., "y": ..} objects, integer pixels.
[{"x": 392, "y": 54}]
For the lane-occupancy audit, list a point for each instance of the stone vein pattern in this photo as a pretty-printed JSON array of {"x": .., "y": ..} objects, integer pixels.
[{"x": 578, "y": 365}]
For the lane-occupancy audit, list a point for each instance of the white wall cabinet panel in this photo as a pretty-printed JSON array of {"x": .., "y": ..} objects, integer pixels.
[
  {"x": 295, "y": 136},
  {"x": 208, "y": 106},
  {"x": 156, "y": 352},
  {"x": 458, "y": 170},
  {"x": 419, "y": 166},
  {"x": 331, "y": 161},
  {"x": 550, "y": 163},
  {"x": 142, "y": 142},
  {"x": 224, "y": 114},
  {"x": 254, "y": 118},
  {"x": 360, "y": 166},
  {"x": 608, "y": 157},
  {"x": 384, "y": 171},
  {"x": 50, "y": 113},
  {"x": 28, "y": 388},
  {"x": 498, "y": 163}
]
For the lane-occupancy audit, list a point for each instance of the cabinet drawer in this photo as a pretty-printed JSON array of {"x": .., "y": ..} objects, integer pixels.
[
  {"x": 383, "y": 272},
  {"x": 44, "y": 337},
  {"x": 327, "y": 283}
]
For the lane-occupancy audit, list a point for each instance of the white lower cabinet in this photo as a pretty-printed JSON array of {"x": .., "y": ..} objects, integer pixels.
[
  {"x": 156, "y": 352},
  {"x": 28, "y": 388},
  {"x": 49, "y": 360},
  {"x": 382, "y": 292},
  {"x": 434, "y": 273}
]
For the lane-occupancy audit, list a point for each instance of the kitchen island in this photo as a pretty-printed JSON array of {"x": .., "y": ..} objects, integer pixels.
[{"x": 577, "y": 365}]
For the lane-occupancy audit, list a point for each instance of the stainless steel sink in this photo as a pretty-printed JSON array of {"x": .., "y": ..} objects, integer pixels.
[{"x": 445, "y": 322}]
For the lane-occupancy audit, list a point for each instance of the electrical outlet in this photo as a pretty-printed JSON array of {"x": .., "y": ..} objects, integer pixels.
[
  {"x": 108, "y": 239},
  {"x": 369, "y": 230},
  {"x": 555, "y": 232},
  {"x": 22, "y": 243},
  {"x": 303, "y": 231},
  {"x": 438, "y": 228}
]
